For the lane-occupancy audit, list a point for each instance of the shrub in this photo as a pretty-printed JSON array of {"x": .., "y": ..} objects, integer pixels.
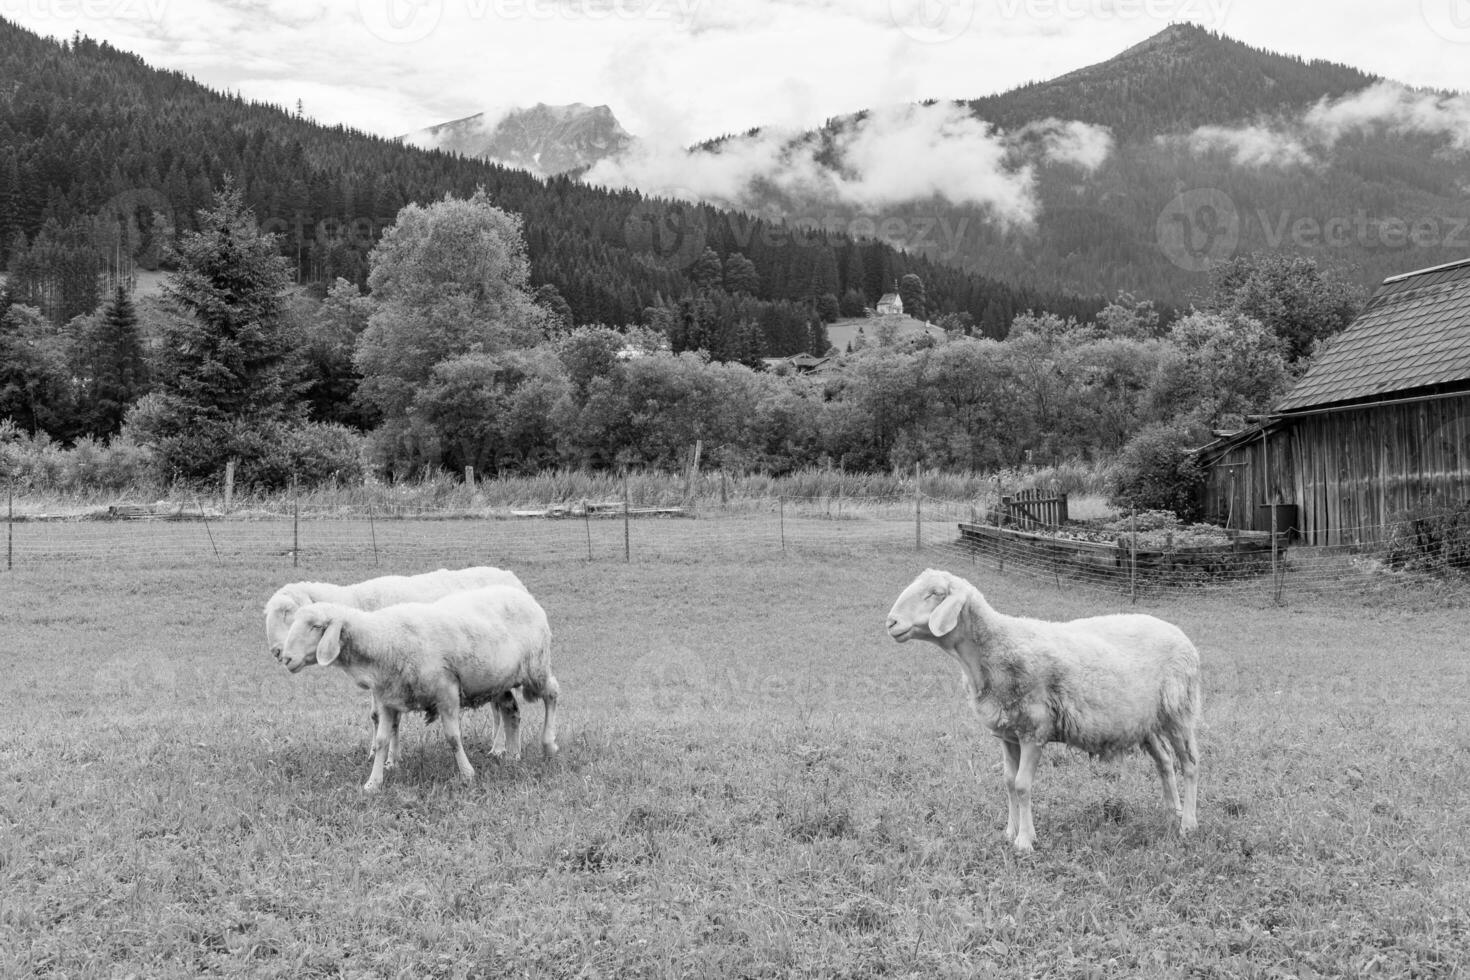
[
  {"x": 1155, "y": 471},
  {"x": 1433, "y": 537}
]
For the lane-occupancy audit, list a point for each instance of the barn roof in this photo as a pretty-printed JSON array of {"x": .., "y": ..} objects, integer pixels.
[{"x": 1414, "y": 333}]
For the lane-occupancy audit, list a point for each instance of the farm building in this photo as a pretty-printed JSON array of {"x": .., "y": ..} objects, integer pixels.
[
  {"x": 890, "y": 304},
  {"x": 1378, "y": 427}
]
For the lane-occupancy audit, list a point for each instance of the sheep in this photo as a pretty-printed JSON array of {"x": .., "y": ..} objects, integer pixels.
[
  {"x": 1105, "y": 684},
  {"x": 377, "y": 593},
  {"x": 465, "y": 650}
]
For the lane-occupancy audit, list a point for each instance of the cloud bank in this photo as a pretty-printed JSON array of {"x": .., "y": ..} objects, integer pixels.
[
  {"x": 888, "y": 157},
  {"x": 1384, "y": 108}
]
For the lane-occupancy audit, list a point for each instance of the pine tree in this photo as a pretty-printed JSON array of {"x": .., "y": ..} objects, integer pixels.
[{"x": 112, "y": 366}]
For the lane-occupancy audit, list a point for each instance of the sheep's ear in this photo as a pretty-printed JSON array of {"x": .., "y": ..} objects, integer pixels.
[
  {"x": 946, "y": 616},
  {"x": 330, "y": 645}
]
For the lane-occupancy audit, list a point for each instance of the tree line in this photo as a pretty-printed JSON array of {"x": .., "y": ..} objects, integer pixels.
[{"x": 453, "y": 358}]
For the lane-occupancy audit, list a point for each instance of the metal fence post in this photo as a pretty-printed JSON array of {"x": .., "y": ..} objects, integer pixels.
[{"x": 373, "y": 531}]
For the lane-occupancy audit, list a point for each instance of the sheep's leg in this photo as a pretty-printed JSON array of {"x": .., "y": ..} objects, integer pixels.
[
  {"x": 387, "y": 721},
  {"x": 449, "y": 721},
  {"x": 392, "y": 741},
  {"x": 508, "y": 714},
  {"x": 1158, "y": 750},
  {"x": 1011, "y": 758},
  {"x": 1187, "y": 751},
  {"x": 549, "y": 694},
  {"x": 1025, "y": 777}
]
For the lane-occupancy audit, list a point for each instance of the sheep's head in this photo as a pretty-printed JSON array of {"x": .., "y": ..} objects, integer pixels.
[
  {"x": 278, "y": 614},
  {"x": 929, "y": 608},
  {"x": 315, "y": 637}
]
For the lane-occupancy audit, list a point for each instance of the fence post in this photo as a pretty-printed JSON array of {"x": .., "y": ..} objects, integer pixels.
[
  {"x": 469, "y": 476},
  {"x": 229, "y": 484},
  {"x": 205, "y": 518},
  {"x": 1275, "y": 568},
  {"x": 295, "y": 524},
  {"x": 10, "y": 526},
  {"x": 627, "y": 522},
  {"x": 781, "y": 502},
  {"x": 373, "y": 531},
  {"x": 1132, "y": 555},
  {"x": 587, "y": 526},
  {"x": 918, "y": 512}
]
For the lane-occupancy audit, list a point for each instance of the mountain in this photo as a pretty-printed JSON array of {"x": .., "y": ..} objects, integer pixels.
[
  {"x": 1139, "y": 172},
  {"x": 105, "y": 161},
  {"x": 545, "y": 139}
]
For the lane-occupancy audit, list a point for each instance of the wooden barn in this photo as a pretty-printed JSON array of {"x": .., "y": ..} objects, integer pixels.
[{"x": 1378, "y": 427}]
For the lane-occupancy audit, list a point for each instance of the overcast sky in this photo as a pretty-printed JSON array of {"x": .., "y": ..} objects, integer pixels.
[{"x": 686, "y": 70}]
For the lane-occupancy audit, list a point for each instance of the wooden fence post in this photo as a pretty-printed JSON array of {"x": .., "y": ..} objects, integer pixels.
[
  {"x": 10, "y": 526},
  {"x": 627, "y": 518},
  {"x": 1132, "y": 555},
  {"x": 295, "y": 524},
  {"x": 782, "y": 506},
  {"x": 229, "y": 484},
  {"x": 918, "y": 512}
]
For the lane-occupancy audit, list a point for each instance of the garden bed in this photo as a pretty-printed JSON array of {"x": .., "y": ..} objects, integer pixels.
[{"x": 1187, "y": 553}]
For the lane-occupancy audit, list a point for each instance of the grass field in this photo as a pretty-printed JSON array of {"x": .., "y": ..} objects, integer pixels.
[{"x": 754, "y": 781}]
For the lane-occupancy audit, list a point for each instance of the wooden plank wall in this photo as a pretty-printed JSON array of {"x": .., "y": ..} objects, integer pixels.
[
  {"x": 1358, "y": 471},
  {"x": 1238, "y": 485}
]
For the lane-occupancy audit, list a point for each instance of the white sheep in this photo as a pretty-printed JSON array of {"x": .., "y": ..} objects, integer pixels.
[
  {"x": 465, "y": 650},
  {"x": 378, "y": 593},
  {"x": 1105, "y": 684}
]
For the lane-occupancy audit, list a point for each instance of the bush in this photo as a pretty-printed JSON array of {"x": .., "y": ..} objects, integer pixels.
[
  {"x": 1434, "y": 537},
  {"x": 1155, "y": 471},
  {"x": 40, "y": 465}
]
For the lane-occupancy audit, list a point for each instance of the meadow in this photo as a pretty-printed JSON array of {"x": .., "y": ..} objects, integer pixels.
[{"x": 754, "y": 782}]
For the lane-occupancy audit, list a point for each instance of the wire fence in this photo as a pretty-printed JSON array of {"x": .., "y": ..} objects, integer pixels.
[{"x": 947, "y": 533}]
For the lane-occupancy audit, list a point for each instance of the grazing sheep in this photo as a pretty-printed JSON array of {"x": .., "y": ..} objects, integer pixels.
[
  {"x": 465, "y": 650},
  {"x": 1105, "y": 685},
  {"x": 377, "y": 593}
]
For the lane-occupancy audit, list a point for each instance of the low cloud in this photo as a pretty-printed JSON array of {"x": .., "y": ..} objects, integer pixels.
[
  {"x": 888, "y": 157},
  {"x": 1384, "y": 108}
]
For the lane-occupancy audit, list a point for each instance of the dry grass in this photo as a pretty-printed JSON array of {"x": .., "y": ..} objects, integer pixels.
[{"x": 754, "y": 782}]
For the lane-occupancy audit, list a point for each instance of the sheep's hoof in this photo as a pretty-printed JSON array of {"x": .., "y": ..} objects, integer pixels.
[
  {"x": 551, "y": 750},
  {"x": 1023, "y": 846},
  {"x": 371, "y": 787}
]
